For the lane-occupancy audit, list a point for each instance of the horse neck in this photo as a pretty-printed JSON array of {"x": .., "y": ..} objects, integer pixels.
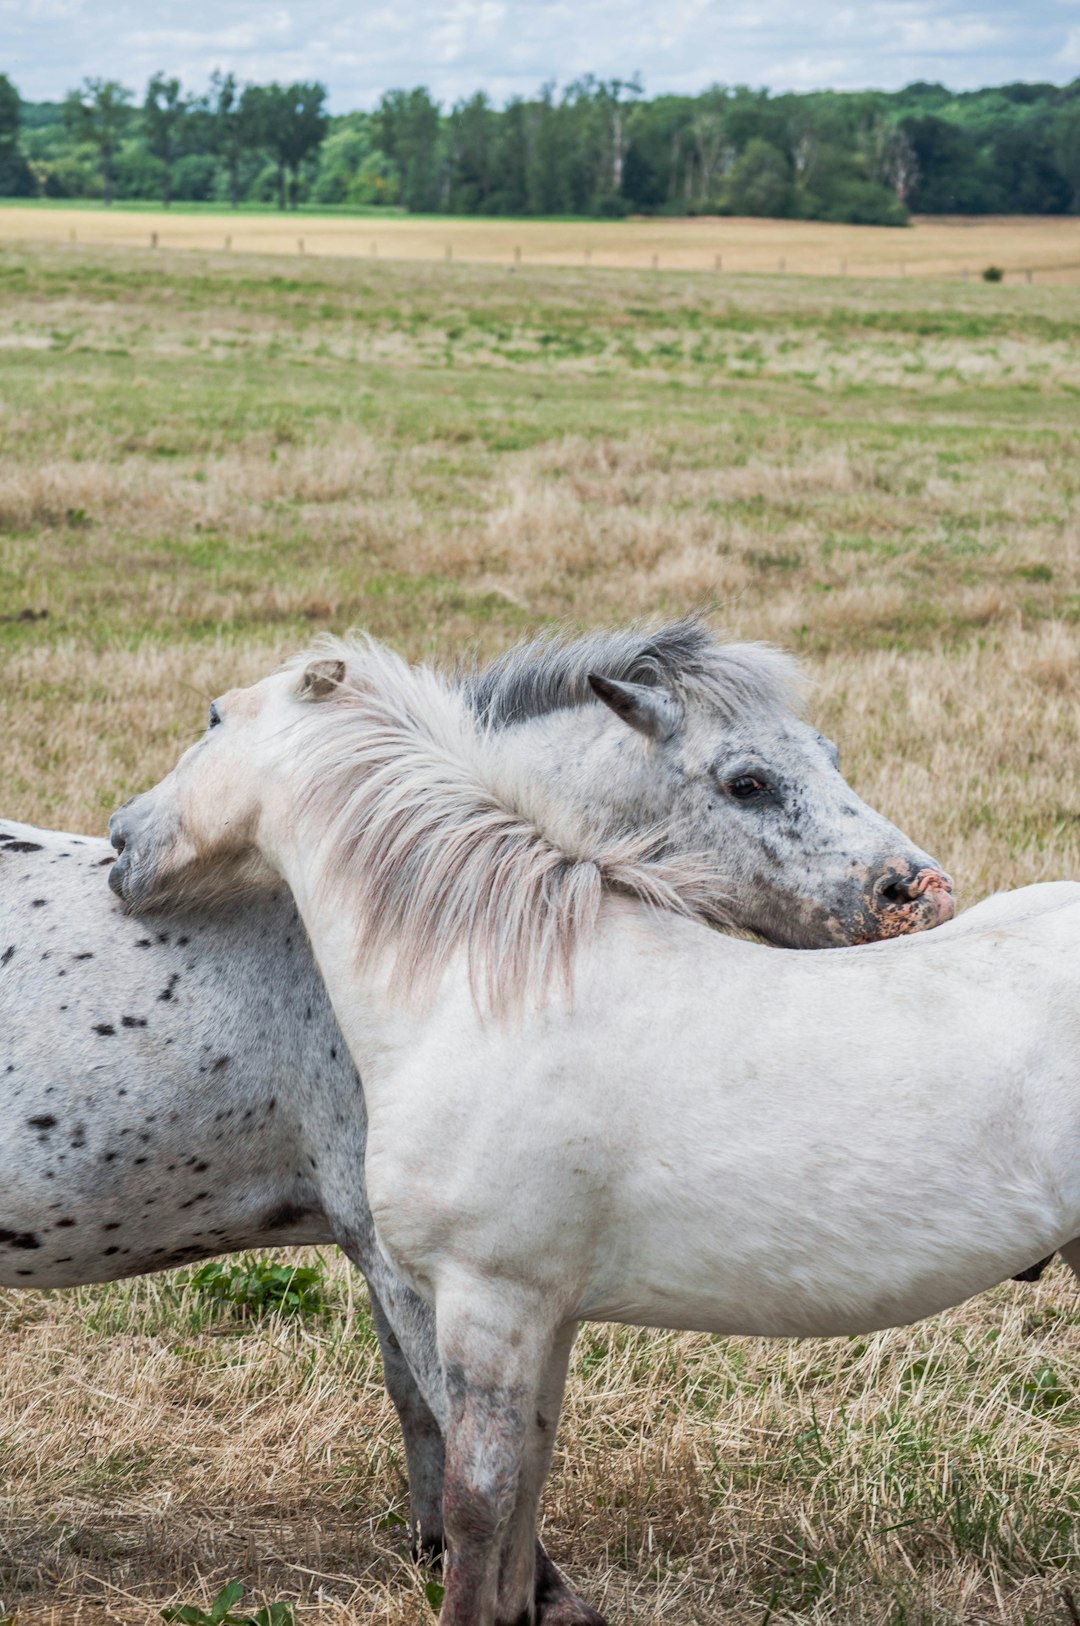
[
  {"x": 579, "y": 773},
  {"x": 584, "y": 774},
  {"x": 374, "y": 1020}
]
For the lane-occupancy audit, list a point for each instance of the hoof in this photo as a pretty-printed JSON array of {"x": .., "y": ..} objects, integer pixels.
[
  {"x": 567, "y": 1610},
  {"x": 556, "y": 1605}
]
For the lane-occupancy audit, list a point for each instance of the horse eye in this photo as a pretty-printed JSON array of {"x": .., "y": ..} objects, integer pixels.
[
  {"x": 744, "y": 787},
  {"x": 214, "y": 716}
]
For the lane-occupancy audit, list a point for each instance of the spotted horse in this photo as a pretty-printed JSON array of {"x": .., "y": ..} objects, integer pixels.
[{"x": 176, "y": 1087}]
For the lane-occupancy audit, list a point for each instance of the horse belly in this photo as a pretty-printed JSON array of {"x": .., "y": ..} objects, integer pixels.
[
  {"x": 776, "y": 1182},
  {"x": 132, "y": 1168},
  {"x": 96, "y": 1221}
]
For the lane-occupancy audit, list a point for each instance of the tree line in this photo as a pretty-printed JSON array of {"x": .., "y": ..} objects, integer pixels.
[{"x": 595, "y": 147}]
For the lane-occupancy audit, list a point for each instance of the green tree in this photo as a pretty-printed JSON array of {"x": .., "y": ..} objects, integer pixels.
[
  {"x": 165, "y": 113},
  {"x": 951, "y": 176},
  {"x": 661, "y": 160},
  {"x": 233, "y": 126},
  {"x": 1067, "y": 149},
  {"x": 289, "y": 120},
  {"x": 98, "y": 113},
  {"x": 711, "y": 142},
  {"x": 10, "y": 108},
  {"x": 407, "y": 130},
  {"x": 760, "y": 181},
  {"x": 510, "y": 160},
  {"x": 548, "y": 188},
  {"x": 351, "y": 169},
  {"x": 471, "y": 131},
  {"x": 16, "y": 176}
]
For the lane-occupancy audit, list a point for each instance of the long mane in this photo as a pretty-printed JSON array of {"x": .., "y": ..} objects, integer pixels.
[
  {"x": 550, "y": 672},
  {"x": 433, "y": 846}
]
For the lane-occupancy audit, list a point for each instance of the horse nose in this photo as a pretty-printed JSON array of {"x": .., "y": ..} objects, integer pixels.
[
  {"x": 893, "y": 887},
  {"x": 900, "y": 884}
]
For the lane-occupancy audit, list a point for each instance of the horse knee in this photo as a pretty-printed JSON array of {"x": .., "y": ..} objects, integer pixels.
[{"x": 476, "y": 1508}]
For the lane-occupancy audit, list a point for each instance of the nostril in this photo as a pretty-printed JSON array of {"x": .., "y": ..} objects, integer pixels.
[{"x": 895, "y": 887}]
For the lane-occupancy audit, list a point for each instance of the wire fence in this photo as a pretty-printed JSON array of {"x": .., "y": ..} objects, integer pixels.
[{"x": 520, "y": 256}]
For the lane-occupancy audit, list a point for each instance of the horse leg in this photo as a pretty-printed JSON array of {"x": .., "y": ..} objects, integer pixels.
[
  {"x": 495, "y": 1349},
  {"x": 1071, "y": 1255},
  {"x": 523, "y": 1557},
  {"x": 425, "y": 1453},
  {"x": 1033, "y": 1272}
]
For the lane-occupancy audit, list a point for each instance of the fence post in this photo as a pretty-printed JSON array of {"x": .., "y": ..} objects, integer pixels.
[
  {"x": 153, "y": 239},
  {"x": 783, "y": 263},
  {"x": 656, "y": 262},
  {"x": 1028, "y": 274},
  {"x": 228, "y": 245},
  {"x": 718, "y": 262},
  {"x": 843, "y": 268},
  {"x": 299, "y": 245},
  {"x": 374, "y": 251},
  {"x": 449, "y": 252}
]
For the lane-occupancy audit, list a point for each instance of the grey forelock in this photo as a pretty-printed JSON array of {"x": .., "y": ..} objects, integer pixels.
[{"x": 551, "y": 672}]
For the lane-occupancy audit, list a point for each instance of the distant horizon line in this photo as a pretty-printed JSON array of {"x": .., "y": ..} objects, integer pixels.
[{"x": 558, "y": 83}]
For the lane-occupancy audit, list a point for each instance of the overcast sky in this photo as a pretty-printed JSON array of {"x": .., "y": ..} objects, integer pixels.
[{"x": 509, "y": 47}]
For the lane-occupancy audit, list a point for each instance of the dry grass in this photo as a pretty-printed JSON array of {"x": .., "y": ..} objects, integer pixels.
[
  {"x": 934, "y": 246},
  {"x": 204, "y": 461}
]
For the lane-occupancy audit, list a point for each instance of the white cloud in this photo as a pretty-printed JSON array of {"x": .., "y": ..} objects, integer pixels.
[
  {"x": 950, "y": 34},
  {"x": 1069, "y": 55},
  {"x": 512, "y": 46}
]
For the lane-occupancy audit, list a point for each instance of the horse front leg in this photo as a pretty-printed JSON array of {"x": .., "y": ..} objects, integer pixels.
[
  {"x": 523, "y": 1556},
  {"x": 496, "y": 1347},
  {"x": 1071, "y": 1255},
  {"x": 425, "y": 1453},
  {"x": 405, "y": 1327}
]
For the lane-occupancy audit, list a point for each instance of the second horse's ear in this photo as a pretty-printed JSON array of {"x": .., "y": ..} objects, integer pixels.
[
  {"x": 320, "y": 679},
  {"x": 651, "y": 709}
]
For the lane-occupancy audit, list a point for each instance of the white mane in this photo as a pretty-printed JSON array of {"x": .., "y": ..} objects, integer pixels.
[{"x": 436, "y": 851}]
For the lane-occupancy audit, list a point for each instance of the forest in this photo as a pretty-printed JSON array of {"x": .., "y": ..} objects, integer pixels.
[{"x": 595, "y": 148}]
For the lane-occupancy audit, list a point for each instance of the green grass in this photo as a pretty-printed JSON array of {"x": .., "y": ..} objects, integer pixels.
[{"x": 206, "y": 463}]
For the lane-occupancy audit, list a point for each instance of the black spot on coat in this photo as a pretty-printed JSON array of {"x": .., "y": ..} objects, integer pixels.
[{"x": 19, "y": 1239}]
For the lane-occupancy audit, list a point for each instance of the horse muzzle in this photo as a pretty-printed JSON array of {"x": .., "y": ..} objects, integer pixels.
[
  {"x": 908, "y": 898},
  {"x": 121, "y": 872}
]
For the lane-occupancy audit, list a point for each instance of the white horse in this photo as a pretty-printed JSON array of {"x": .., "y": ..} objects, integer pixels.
[
  {"x": 171, "y": 1089},
  {"x": 583, "y": 1104}
]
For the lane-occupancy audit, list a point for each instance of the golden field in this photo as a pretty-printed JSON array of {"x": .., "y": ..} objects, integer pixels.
[
  {"x": 1047, "y": 247},
  {"x": 209, "y": 458}
]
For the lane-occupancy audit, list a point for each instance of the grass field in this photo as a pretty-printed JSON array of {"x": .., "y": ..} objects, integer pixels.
[
  {"x": 207, "y": 459},
  {"x": 1046, "y": 248}
]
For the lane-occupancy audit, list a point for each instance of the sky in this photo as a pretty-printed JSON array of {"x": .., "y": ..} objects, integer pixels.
[{"x": 510, "y": 47}]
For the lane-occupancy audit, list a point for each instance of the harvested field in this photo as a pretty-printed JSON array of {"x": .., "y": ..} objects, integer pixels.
[
  {"x": 1045, "y": 247},
  {"x": 206, "y": 460}
]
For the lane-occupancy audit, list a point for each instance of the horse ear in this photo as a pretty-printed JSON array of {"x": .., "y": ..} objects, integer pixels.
[
  {"x": 320, "y": 679},
  {"x": 652, "y": 710}
]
